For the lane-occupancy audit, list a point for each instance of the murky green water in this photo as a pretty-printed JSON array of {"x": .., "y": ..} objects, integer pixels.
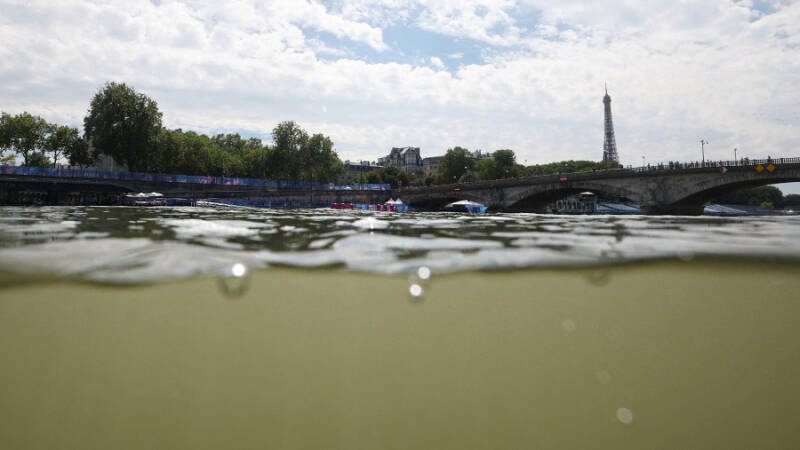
[{"x": 128, "y": 328}]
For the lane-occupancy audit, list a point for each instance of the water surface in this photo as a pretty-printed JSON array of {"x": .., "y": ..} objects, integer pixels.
[{"x": 129, "y": 328}]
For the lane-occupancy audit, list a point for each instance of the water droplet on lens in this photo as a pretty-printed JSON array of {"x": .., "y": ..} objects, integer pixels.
[
  {"x": 420, "y": 276},
  {"x": 686, "y": 255},
  {"x": 569, "y": 325},
  {"x": 238, "y": 270},
  {"x": 424, "y": 273},
  {"x": 625, "y": 416},
  {"x": 415, "y": 290},
  {"x": 235, "y": 281}
]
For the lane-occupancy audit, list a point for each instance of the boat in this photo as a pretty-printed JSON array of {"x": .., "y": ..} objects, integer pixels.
[
  {"x": 144, "y": 199},
  {"x": 465, "y": 206}
]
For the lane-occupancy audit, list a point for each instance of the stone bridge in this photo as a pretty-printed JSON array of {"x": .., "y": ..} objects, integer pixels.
[{"x": 659, "y": 190}]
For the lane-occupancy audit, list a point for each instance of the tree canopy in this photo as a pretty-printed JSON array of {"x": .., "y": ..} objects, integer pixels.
[
  {"x": 67, "y": 141},
  {"x": 124, "y": 124},
  {"x": 455, "y": 164},
  {"x": 387, "y": 175},
  {"x": 754, "y": 197},
  {"x": 24, "y": 135}
]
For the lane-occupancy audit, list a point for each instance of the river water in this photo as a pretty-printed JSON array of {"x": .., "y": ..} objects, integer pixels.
[{"x": 255, "y": 328}]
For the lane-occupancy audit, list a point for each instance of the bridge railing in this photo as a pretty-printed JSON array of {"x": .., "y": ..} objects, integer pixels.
[
  {"x": 744, "y": 162},
  {"x": 627, "y": 171},
  {"x": 192, "y": 179}
]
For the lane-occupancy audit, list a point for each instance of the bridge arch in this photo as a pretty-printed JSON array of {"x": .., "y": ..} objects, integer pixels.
[
  {"x": 705, "y": 193},
  {"x": 536, "y": 198},
  {"x": 436, "y": 202}
]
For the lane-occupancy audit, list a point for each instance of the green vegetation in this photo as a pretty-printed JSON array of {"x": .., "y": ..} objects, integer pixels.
[
  {"x": 791, "y": 201},
  {"x": 31, "y": 138},
  {"x": 457, "y": 162},
  {"x": 768, "y": 197},
  {"x": 568, "y": 167},
  {"x": 126, "y": 125},
  {"x": 387, "y": 175}
]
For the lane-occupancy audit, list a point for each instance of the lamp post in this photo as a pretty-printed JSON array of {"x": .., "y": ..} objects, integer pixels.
[
  {"x": 703, "y": 150},
  {"x": 735, "y": 161}
]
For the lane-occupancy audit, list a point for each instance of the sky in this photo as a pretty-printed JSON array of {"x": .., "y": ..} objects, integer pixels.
[{"x": 527, "y": 75}]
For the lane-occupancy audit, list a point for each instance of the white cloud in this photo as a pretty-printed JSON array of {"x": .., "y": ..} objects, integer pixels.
[
  {"x": 714, "y": 69},
  {"x": 437, "y": 62}
]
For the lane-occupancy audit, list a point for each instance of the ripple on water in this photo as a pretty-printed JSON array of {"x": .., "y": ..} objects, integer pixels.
[{"x": 144, "y": 245}]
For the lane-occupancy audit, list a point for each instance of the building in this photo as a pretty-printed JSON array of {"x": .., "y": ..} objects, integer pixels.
[
  {"x": 355, "y": 169},
  {"x": 479, "y": 155},
  {"x": 609, "y": 143},
  {"x": 407, "y": 159},
  {"x": 430, "y": 165}
]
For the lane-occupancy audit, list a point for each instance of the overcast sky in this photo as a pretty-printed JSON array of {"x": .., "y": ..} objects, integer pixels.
[{"x": 374, "y": 74}]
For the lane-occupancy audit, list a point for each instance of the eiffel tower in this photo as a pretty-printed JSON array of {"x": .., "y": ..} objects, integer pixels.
[{"x": 609, "y": 144}]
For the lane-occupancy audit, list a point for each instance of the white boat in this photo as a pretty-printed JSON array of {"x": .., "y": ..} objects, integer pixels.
[
  {"x": 144, "y": 199},
  {"x": 465, "y": 206}
]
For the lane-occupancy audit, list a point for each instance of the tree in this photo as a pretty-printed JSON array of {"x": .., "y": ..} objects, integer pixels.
[
  {"x": 387, "y": 175},
  {"x": 289, "y": 140},
  {"x": 64, "y": 140},
  {"x": 791, "y": 200},
  {"x": 505, "y": 159},
  {"x": 567, "y": 167},
  {"x": 124, "y": 124},
  {"x": 79, "y": 155},
  {"x": 23, "y": 134},
  {"x": 502, "y": 164},
  {"x": 318, "y": 161},
  {"x": 456, "y": 162},
  {"x": 754, "y": 197},
  {"x": 38, "y": 159}
]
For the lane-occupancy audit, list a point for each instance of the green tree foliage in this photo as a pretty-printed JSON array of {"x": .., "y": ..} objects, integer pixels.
[
  {"x": 24, "y": 135},
  {"x": 298, "y": 156},
  {"x": 387, "y": 175},
  {"x": 289, "y": 142},
  {"x": 79, "y": 155},
  {"x": 318, "y": 161},
  {"x": 567, "y": 167},
  {"x": 38, "y": 159},
  {"x": 456, "y": 162},
  {"x": 502, "y": 164},
  {"x": 298, "y": 159},
  {"x": 791, "y": 201},
  {"x": 125, "y": 125},
  {"x": 66, "y": 141},
  {"x": 755, "y": 197}
]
